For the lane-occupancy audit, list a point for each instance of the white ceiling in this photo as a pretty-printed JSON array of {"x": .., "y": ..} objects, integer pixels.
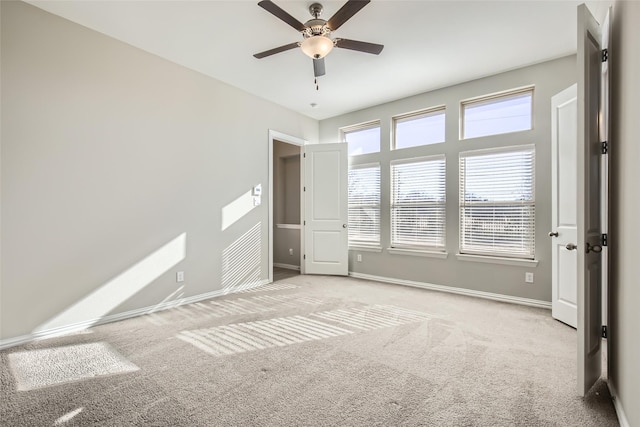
[{"x": 428, "y": 44}]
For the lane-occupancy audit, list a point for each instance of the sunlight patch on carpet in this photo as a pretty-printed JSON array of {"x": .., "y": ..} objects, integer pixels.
[
  {"x": 259, "y": 335},
  {"x": 373, "y": 317},
  {"x": 35, "y": 369},
  {"x": 219, "y": 308},
  {"x": 67, "y": 417},
  {"x": 251, "y": 336},
  {"x": 270, "y": 287}
]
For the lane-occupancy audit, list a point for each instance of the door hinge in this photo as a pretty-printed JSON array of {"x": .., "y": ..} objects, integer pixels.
[
  {"x": 304, "y": 155},
  {"x": 604, "y": 149},
  {"x": 304, "y": 222},
  {"x": 604, "y": 331},
  {"x": 605, "y": 55},
  {"x": 605, "y": 240},
  {"x": 304, "y": 188},
  {"x": 304, "y": 256}
]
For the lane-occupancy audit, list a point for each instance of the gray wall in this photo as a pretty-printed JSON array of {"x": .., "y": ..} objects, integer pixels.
[
  {"x": 286, "y": 196},
  {"x": 108, "y": 154},
  {"x": 549, "y": 78},
  {"x": 624, "y": 298}
]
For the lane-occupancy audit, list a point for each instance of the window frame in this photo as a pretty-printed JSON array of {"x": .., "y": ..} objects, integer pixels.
[
  {"x": 491, "y": 97},
  {"x": 392, "y": 204},
  {"x": 414, "y": 115},
  {"x": 367, "y": 243},
  {"x": 343, "y": 131},
  {"x": 531, "y": 203}
]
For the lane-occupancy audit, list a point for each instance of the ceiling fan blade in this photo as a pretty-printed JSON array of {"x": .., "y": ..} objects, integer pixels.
[
  {"x": 360, "y": 46},
  {"x": 276, "y": 50},
  {"x": 318, "y": 67},
  {"x": 275, "y": 10},
  {"x": 349, "y": 9}
]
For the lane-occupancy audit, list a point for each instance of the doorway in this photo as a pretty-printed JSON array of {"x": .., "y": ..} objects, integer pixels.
[{"x": 285, "y": 206}]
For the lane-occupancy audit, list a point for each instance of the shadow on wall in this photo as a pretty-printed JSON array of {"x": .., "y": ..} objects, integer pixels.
[{"x": 100, "y": 302}]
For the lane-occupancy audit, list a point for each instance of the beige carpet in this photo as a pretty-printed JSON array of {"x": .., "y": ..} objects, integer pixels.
[{"x": 309, "y": 350}]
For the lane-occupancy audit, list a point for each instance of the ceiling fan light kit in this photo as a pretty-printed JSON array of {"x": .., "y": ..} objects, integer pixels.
[
  {"x": 317, "y": 44},
  {"x": 317, "y": 47}
]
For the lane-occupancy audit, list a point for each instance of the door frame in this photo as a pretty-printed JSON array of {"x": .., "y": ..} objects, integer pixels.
[{"x": 300, "y": 142}]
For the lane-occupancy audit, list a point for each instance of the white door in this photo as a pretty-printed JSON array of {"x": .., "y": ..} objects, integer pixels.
[
  {"x": 326, "y": 213},
  {"x": 589, "y": 233},
  {"x": 564, "y": 127}
]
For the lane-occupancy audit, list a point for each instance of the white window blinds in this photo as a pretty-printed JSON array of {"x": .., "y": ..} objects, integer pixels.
[
  {"x": 497, "y": 202},
  {"x": 418, "y": 203},
  {"x": 364, "y": 205}
]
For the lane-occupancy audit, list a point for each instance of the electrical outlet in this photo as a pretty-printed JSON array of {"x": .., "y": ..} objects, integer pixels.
[
  {"x": 359, "y": 257},
  {"x": 180, "y": 276},
  {"x": 528, "y": 277},
  {"x": 290, "y": 251}
]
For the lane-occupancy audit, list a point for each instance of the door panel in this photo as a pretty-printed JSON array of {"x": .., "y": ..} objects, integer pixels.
[
  {"x": 564, "y": 125},
  {"x": 588, "y": 198},
  {"x": 326, "y": 209}
]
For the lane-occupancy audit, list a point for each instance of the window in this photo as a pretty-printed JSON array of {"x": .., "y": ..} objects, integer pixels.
[
  {"x": 497, "y": 206},
  {"x": 362, "y": 139},
  {"x": 419, "y": 128},
  {"x": 418, "y": 203},
  {"x": 364, "y": 205},
  {"x": 496, "y": 114}
]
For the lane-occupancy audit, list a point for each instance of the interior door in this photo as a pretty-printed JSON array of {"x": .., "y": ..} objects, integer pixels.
[
  {"x": 589, "y": 234},
  {"x": 326, "y": 210},
  {"x": 564, "y": 127}
]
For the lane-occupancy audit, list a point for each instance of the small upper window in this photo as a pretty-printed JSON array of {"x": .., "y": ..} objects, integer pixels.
[
  {"x": 496, "y": 114},
  {"x": 362, "y": 139},
  {"x": 419, "y": 128}
]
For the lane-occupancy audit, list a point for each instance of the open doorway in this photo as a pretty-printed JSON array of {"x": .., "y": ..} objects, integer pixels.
[{"x": 285, "y": 219}]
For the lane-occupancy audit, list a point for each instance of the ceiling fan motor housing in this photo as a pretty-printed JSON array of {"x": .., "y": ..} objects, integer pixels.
[
  {"x": 316, "y": 10},
  {"x": 316, "y": 27}
]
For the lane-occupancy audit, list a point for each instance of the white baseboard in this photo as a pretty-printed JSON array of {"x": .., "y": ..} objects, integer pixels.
[
  {"x": 622, "y": 418},
  {"x": 80, "y": 326},
  {"x": 453, "y": 290},
  {"x": 287, "y": 266}
]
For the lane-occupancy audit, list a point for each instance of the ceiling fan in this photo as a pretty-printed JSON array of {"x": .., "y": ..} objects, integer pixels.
[{"x": 316, "y": 43}]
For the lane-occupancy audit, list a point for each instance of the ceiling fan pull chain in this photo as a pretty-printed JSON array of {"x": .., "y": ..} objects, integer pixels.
[{"x": 315, "y": 82}]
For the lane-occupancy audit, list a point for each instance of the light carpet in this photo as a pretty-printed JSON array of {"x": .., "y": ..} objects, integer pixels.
[{"x": 309, "y": 350}]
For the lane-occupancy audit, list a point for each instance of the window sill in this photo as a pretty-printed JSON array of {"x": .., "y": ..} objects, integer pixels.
[
  {"x": 418, "y": 252},
  {"x": 365, "y": 248},
  {"x": 498, "y": 260}
]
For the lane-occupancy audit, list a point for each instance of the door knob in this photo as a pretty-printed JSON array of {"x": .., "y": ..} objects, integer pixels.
[
  {"x": 344, "y": 225},
  {"x": 571, "y": 246},
  {"x": 594, "y": 248},
  {"x": 553, "y": 234}
]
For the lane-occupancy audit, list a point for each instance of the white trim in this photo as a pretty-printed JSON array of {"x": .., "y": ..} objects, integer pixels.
[
  {"x": 279, "y": 136},
  {"x": 418, "y": 252},
  {"x": 453, "y": 290},
  {"x": 622, "y": 417},
  {"x": 365, "y": 248},
  {"x": 289, "y": 226},
  {"x": 86, "y": 324},
  {"x": 287, "y": 266},
  {"x": 498, "y": 260}
]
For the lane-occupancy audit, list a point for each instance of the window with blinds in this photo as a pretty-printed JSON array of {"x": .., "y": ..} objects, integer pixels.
[
  {"x": 418, "y": 203},
  {"x": 364, "y": 205},
  {"x": 497, "y": 202}
]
